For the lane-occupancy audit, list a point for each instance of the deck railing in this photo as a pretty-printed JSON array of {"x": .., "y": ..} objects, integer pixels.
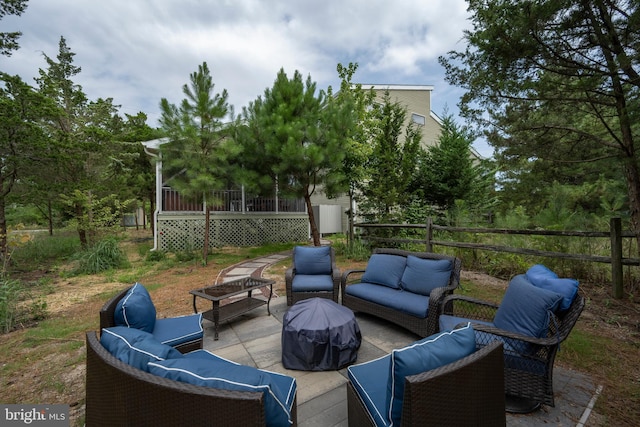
[{"x": 230, "y": 201}]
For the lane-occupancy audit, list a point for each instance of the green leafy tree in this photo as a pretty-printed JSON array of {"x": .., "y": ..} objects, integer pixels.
[
  {"x": 9, "y": 40},
  {"x": 357, "y": 149},
  {"x": 448, "y": 172},
  {"x": 555, "y": 82},
  {"x": 82, "y": 160},
  {"x": 22, "y": 139},
  {"x": 199, "y": 151},
  {"x": 393, "y": 161},
  {"x": 294, "y": 136}
]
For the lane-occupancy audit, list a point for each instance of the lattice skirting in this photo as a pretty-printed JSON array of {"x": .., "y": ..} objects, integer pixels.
[{"x": 186, "y": 232}]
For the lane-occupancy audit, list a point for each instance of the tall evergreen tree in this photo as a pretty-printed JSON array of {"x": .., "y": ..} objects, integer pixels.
[
  {"x": 9, "y": 40},
  {"x": 393, "y": 161},
  {"x": 295, "y": 136},
  {"x": 199, "y": 150}
]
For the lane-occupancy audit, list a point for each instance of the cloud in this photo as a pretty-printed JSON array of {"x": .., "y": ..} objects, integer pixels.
[{"x": 138, "y": 52}]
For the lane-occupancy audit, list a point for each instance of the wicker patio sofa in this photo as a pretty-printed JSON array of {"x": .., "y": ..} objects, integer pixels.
[
  {"x": 118, "y": 394},
  {"x": 380, "y": 301},
  {"x": 173, "y": 328},
  {"x": 466, "y": 392}
]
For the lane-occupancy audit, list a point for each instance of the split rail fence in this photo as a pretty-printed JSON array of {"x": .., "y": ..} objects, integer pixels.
[{"x": 615, "y": 235}]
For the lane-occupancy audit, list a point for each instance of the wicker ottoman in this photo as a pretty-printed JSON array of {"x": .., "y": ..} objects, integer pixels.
[{"x": 319, "y": 335}]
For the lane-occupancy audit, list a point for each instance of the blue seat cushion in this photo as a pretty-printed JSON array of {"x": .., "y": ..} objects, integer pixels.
[
  {"x": 448, "y": 322},
  {"x": 136, "y": 347},
  {"x": 421, "y": 276},
  {"x": 212, "y": 371},
  {"x": 384, "y": 269},
  {"x": 541, "y": 277},
  {"x": 398, "y": 299},
  {"x": 369, "y": 380},
  {"x": 424, "y": 355},
  {"x": 309, "y": 283},
  {"x": 179, "y": 330},
  {"x": 312, "y": 260},
  {"x": 136, "y": 310},
  {"x": 526, "y": 309}
]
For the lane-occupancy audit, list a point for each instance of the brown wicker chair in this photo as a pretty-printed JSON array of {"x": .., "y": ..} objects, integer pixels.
[
  {"x": 528, "y": 360},
  {"x": 295, "y": 296},
  {"x": 467, "y": 392},
  {"x": 118, "y": 394},
  {"x": 422, "y": 327},
  {"x": 107, "y": 320}
]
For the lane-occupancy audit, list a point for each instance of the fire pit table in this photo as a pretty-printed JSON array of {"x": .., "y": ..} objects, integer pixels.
[{"x": 319, "y": 335}]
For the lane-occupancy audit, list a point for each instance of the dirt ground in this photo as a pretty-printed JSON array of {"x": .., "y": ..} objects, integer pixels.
[{"x": 58, "y": 375}]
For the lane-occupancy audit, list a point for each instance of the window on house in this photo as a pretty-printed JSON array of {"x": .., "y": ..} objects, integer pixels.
[{"x": 418, "y": 119}]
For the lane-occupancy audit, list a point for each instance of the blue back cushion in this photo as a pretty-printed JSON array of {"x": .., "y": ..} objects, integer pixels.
[
  {"x": 421, "y": 276},
  {"x": 525, "y": 308},
  {"x": 228, "y": 376},
  {"x": 136, "y": 347},
  {"x": 312, "y": 260},
  {"x": 136, "y": 310},
  {"x": 542, "y": 277},
  {"x": 384, "y": 269},
  {"x": 424, "y": 355}
]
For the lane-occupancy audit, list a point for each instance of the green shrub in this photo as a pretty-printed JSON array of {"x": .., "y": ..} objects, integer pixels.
[{"x": 102, "y": 256}]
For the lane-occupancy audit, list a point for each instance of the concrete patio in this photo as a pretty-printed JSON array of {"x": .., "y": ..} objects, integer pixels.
[{"x": 254, "y": 339}]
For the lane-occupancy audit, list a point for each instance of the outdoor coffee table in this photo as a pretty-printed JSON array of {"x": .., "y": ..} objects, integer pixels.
[{"x": 229, "y": 310}]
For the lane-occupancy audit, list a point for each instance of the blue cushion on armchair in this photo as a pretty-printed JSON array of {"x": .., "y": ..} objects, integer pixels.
[
  {"x": 424, "y": 355},
  {"x": 136, "y": 310},
  {"x": 312, "y": 283},
  {"x": 526, "y": 309},
  {"x": 421, "y": 276},
  {"x": 312, "y": 259},
  {"x": 385, "y": 270},
  {"x": 179, "y": 330}
]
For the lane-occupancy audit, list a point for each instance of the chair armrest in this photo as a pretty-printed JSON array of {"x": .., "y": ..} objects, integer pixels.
[
  {"x": 288, "y": 275},
  {"x": 513, "y": 336},
  {"x": 345, "y": 280},
  {"x": 468, "y": 307}
]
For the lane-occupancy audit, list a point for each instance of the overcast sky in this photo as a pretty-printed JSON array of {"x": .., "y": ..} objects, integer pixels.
[{"x": 139, "y": 51}]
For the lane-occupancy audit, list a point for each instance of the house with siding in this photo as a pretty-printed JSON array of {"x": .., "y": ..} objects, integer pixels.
[{"x": 241, "y": 219}]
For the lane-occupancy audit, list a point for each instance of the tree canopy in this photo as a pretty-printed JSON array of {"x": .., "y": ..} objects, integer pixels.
[
  {"x": 294, "y": 135},
  {"x": 555, "y": 83}
]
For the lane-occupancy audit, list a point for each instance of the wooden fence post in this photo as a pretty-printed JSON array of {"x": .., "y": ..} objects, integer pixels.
[
  {"x": 616, "y": 257},
  {"x": 429, "y": 235}
]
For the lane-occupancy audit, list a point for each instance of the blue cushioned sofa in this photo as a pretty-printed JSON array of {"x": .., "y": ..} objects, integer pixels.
[
  {"x": 402, "y": 287},
  {"x": 134, "y": 380}
]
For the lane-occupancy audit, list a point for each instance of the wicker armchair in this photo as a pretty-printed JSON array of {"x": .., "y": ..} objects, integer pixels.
[
  {"x": 528, "y": 361},
  {"x": 420, "y": 326},
  {"x": 329, "y": 279},
  {"x": 467, "y": 392},
  {"x": 107, "y": 320}
]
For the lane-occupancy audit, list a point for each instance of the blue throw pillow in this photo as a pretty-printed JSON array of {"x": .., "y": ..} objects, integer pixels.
[
  {"x": 384, "y": 269},
  {"x": 525, "y": 309},
  {"x": 421, "y": 276},
  {"x": 538, "y": 272},
  {"x": 541, "y": 277},
  {"x": 136, "y": 310},
  {"x": 136, "y": 347},
  {"x": 424, "y": 355},
  {"x": 568, "y": 288},
  {"x": 228, "y": 376},
  {"x": 312, "y": 260}
]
